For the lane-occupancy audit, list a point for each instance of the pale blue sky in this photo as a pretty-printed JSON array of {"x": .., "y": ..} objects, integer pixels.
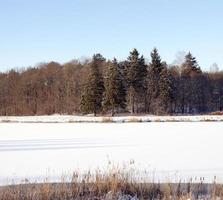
[{"x": 34, "y": 31}]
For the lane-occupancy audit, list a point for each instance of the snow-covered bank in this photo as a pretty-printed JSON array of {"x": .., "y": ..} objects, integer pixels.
[
  {"x": 169, "y": 151},
  {"x": 73, "y": 119}
]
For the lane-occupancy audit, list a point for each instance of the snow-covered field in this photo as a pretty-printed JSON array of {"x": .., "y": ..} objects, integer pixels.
[
  {"x": 145, "y": 118},
  {"x": 169, "y": 151}
]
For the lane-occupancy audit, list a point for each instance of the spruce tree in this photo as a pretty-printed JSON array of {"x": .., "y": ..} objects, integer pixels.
[
  {"x": 136, "y": 73},
  {"x": 156, "y": 64},
  {"x": 143, "y": 82},
  {"x": 165, "y": 88},
  {"x": 133, "y": 63},
  {"x": 190, "y": 65},
  {"x": 155, "y": 69},
  {"x": 115, "y": 92},
  {"x": 190, "y": 84},
  {"x": 91, "y": 100}
]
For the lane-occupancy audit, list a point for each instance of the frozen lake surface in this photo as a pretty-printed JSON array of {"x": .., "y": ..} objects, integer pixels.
[{"x": 170, "y": 151}]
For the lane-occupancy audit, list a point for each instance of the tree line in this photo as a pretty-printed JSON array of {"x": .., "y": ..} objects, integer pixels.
[{"x": 100, "y": 86}]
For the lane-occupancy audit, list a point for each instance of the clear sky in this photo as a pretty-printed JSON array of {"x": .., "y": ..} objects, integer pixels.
[{"x": 33, "y": 31}]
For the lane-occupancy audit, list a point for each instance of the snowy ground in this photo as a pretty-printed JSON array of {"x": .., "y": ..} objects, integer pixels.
[
  {"x": 169, "y": 151},
  {"x": 145, "y": 118}
]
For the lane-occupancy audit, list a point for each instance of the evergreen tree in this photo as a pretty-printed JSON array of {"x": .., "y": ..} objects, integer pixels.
[
  {"x": 155, "y": 69},
  {"x": 91, "y": 101},
  {"x": 190, "y": 65},
  {"x": 133, "y": 64},
  {"x": 190, "y": 84},
  {"x": 136, "y": 73},
  {"x": 115, "y": 93},
  {"x": 165, "y": 88},
  {"x": 156, "y": 64},
  {"x": 175, "y": 80},
  {"x": 143, "y": 82}
]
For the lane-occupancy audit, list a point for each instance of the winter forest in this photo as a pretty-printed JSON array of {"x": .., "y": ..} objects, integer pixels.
[{"x": 99, "y": 86}]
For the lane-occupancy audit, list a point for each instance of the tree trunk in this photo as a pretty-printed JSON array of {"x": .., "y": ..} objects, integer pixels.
[
  {"x": 132, "y": 100},
  {"x": 133, "y": 105},
  {"x": 113, "y": 112}
]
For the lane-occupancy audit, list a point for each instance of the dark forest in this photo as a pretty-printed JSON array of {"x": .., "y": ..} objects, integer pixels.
[{"x": 99, "y": 86}]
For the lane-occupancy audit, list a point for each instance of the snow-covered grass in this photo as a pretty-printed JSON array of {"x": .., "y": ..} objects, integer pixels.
[{"x": 145, "y": 118}]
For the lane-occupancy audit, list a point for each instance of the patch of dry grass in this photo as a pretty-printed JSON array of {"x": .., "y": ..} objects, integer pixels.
[
  {"x": 107, "y": 120},
  {"x": 115, "y": 183},
  {"x": 134, "y": 119},
  {"x": 217, "y": 113}
]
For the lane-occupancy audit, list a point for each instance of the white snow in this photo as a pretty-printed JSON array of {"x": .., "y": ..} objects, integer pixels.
[
  {"x": 171, "y": 150},
  {"x": 145, "y": 118}
]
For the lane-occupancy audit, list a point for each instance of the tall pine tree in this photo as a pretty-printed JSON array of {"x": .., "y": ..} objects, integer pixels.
[
  {"x": 91, "y": 100},
  {"x": 190, "y": 66},
  {"x": 136, "y": 73},
  {"x": 165, "y": 90},
  {"x": 190, "y": 85},
  {"x": 115, "y": 92},
  {"x": 155, "y": 69}
]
